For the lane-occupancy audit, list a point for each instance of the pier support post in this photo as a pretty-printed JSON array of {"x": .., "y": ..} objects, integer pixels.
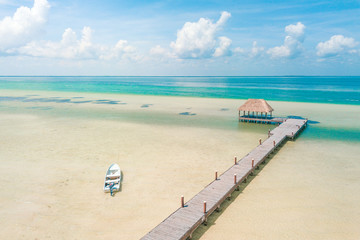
[
  {"x": 182, "y": 201},
  {"x": 218, "y": 208},
  {"x": 205, "y": 220},
  {"x": 252, "y": 167},
  {"x": 190, "y": 237},
  {"x": 235, "y": 182}
]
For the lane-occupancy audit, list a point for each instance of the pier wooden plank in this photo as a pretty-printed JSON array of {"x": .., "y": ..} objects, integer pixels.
[{"x": 181, "y": 223}]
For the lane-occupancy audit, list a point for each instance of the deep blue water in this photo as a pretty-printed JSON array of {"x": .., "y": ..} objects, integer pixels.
[{"x": 338, "y": 90}]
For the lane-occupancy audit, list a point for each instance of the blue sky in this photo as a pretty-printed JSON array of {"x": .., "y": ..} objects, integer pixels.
[{"x": 48, "y": 37}]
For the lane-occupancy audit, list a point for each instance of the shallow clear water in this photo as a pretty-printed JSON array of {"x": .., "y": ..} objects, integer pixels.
[{"x": 330, "y": 122}]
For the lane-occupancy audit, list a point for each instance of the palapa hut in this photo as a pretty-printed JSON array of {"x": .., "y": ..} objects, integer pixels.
[{"x": 256, "y": 106}]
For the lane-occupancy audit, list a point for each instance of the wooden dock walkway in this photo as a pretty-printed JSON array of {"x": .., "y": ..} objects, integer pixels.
[{"x": 184, "y": 221}]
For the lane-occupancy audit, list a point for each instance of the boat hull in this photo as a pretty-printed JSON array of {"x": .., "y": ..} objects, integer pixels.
[{"x": 112, "y": 178}]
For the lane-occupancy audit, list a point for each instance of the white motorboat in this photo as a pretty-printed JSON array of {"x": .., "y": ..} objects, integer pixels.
[{"x": 112, "y": 179}]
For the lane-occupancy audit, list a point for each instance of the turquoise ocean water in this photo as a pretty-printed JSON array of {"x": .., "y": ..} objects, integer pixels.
[
  {"x": 333, "y": 90},
  {"x": 337, "y": 90}
]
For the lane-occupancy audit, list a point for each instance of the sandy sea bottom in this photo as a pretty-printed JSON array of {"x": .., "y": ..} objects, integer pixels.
[{"x": 53, "y": 157}]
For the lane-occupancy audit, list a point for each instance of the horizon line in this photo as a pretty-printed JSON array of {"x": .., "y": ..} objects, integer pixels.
[{"x": 179, "y": 76}]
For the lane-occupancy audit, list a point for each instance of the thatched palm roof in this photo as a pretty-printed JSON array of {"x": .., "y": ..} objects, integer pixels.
[{"x": 256, "y": 105}]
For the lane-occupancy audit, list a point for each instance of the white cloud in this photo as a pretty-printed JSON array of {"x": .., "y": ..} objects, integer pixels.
[
  {"x": 23, "y": 26},
  {"x": 296, "y": 31},
  {"x": 122, "y": 50},
  {"x": 198, "y": 39},
  {"x": 336, "y": 45},
  {"x": 70, "y": 47},
  {"x": 255, "y": 50},
  {"x": 239, "y": 50},
  {"x": 158, "y": 51},
  {"x": 292, "y": 46},
  {"x": 223, "y": 49}
]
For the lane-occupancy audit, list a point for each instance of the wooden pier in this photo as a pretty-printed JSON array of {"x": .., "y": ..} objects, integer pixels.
[{"x": 184, "y": 221}]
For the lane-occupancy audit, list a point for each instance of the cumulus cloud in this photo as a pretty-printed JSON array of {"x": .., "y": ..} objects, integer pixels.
[
  {"x": 239, "y": 50},
  {"x": 198, "y": 39},
  {"x": 24, "y": 25},
  {"x": 296, "y": 31},
  {"x": 223, "y": 49},
  {"x": 255, "y": 50},
  {"x": 122, "y": 50},
  {"x": 336, "y": 45},
  {"x": 70, "y": 47},
  {"x": 160, "y": 52},
  {"x": 292, "y": 46}
]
